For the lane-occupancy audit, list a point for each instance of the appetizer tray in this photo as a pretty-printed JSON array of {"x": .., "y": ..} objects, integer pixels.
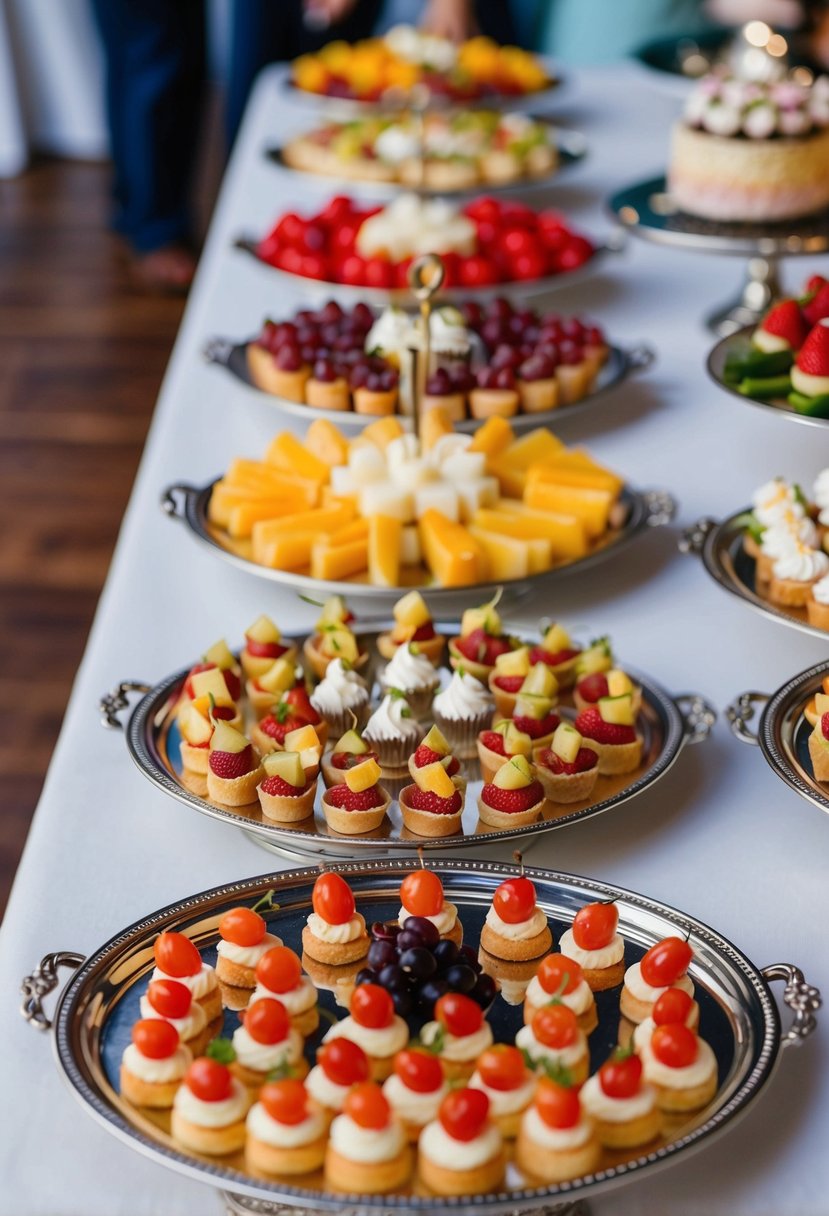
[
  {"x": 153, "y": 740},
  {"x": 735, "y": 345},
  {"x": 782, "y": 732},
  {"x": 638, "y": 510},
  {"x": 621, "y": 363},
  {"x": 738, "y": 1017}
]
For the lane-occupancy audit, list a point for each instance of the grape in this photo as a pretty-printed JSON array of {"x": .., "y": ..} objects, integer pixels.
[
  {"x": 461, "y": 978},
  {"x": 393, "y": 978},
  {"x": 485, "y": 991},
  {"x": 446, "y": 953},
  {"x": 403, "y": 1003},
  {"x": 408, "y": 939},
  {"x": 419, "y": 962},
  {"x": 366, "y": 976},
  {"x": 432, "y": 991},
  {"x": 382, "y": 931},
  {"x": 380, "y": 954},
  {"x": 425, "y": 930},
  {"x": 468, "y": 956}
]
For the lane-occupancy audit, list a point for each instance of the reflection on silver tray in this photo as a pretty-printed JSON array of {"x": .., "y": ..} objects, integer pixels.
[
  {"x": 738, "y": 1016},
  {"x": 153, "y": 740},
  {"x": 738, "y": 343},
  {"x": 620, "y": 364},
  {"x": 720, "y": 545}
]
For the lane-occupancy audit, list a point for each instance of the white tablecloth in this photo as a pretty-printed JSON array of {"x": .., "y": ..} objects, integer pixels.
[{"x": 719, "y": 837}]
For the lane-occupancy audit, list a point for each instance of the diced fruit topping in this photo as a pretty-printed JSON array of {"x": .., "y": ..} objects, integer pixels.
[
  {"x": 285, "y": 1101},
  {"x": 555, "y": 1026},
  {"x": 228, "y": 740},
  {"x": 596, "y": 658},
  {"x": 665, "y": 962},
  {"x": 304, "y": 738},
  {"x": 618, "y": 683},
  {"x": 343, "y": 760},
  {"x": 338, "y": 642},
  {"x": 621, "y": 1075},
  {"x": 230, "y": 765},
  {"x": 594, "y": 925},
  {"x": 419, "y": 1070},
  {"x": 263, "y": 638},
  {"x": 351, "y": 742},
  {"x": 212, "y": 684},
  {"x": 540, "y": 682},
  {"x": 591, "y": 724},
  {"x": 514, "y": 900},
  {"x": 176, "y": 955},
  {"x": 675, "y": 1005},
  {"x": 169, "y": 998},
  {"x": 434, "y": 779},
  {"x": 593, "y": 687},
  {"x": 332, "y": 899},
  {"x": 344, "y": 1062},
  {"x": 502, "y": 1067},
  {"x": 367, "y": 1105},
  {"x": 286, "y": 769},
  {"x": 485, "y": 618},
  {"x": 434, "y": 742},
  {"x": 516, "y": 774},
  {"x": 411, "y": 610},
  {"x": 267, "y": 1021},
  {"x": 372, "y": 1006},
  {"x": 813, "y": 358},
  {"x": 513, "y": 662},
  {"x": 279, "y": 970},
  {"x": 220, "y": 655},
  {"x": 464, "y": 1113},
  {"x": 242, "y": 927},
  {"x": 458, "y": 1014},
  {"x": 617, "y": 710},
  {"x": 585, "y": 759},
  {"x": 421, "y": 893},
  {"x": 675, "y": 1045},
  {"x": 154, "y": 1038},
  {"x": 557, "y": 1104},
  {"x": 512, "y": 801},
  {"x": 517, "y": 742},
  {"x": 363, "y": 777},
  {"x": 559, "y": 974},
  {"x": 279, "y": 677},
  {"x": 209, "y": 1080},
  {"x": 566, "y": 742},
  {"x": 435, "y": 804},
  {"x": 366, "y": 800}
]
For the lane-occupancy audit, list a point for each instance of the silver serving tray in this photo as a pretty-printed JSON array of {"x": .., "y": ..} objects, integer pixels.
[
  {"x": 737, "y": 343},
  {"x": 620, "y": 364},
  {"x": 638, "y": 510},
  {"x": 667, "y": 723},
  {"x": 782, "y": 732},
  {"x": 738, "y": 1016},
  {"x": 720, "y": 545}
]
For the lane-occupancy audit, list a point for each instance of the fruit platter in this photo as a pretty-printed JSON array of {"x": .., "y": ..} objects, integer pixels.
[
  {"x": 369, "y": 737},
  {"x": 773, "y": 554},
  {"x": 357, "y": 363},
  {"x": 216, "y": 1036},
  {"x": 783, "y": 363},
  {"x": 483, "y": 243},
  {"x": 388, "y": 510}
]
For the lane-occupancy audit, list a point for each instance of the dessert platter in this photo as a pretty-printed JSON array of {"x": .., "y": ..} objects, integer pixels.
[
  {"x": 772, "y": 555},
  {"x": 389, "y": 736},
  {"x": 550, "y": 365},
  {"x": 434, "y": 153},
  {"x": 782, "y": 364},
  {"x": 388, "y": 510},
  {"x": 792, "y": 732},
  {"x": 311, "y": 1093}
]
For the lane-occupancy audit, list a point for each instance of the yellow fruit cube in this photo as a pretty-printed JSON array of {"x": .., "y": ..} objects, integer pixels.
[
  {"x": 288, "y": 454},
  {"x": 513, "y": 662},
  {"x": 493, "y": 437},
  {"x": 279, "y": 677},
  {"x": 434, "y": 779},
  {"x": 384, "y": 535},
  {"x": 453, "y": 555},
  {"x": 534, "y": 448},
  {"x": 291, "y": 552},
  {"x": 327, "y": 442},
  {"x": 434, "y": 424},
  {"x": 539, "y": 681},
  {"x": 412, "y": 610},
  {"x": 302, "y": 739},
  {"x": 362, "y": 776},
  {"x": 383, "y": 431},
  {"x": 618, "y": 683},
  {"x": 320, "y": 519},
  {"x": 516, "y": 774},
  {"x": 565, "y": 533},
  {"x": 210, "y": 684},
  {"x": 566, "y": 742},
  {"x": 507, "y": 557},
  {"x": 592, "y": 507},
  {"x": 287, "y": 765},
  {"x": 617, "y": 710}
]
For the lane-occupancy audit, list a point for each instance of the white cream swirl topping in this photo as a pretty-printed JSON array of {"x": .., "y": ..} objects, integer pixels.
[
  {"x": 616, "y": 1110},
  {"x": 802, "y": 565},
  {"x": 568, "y": 1057},
  {"x": 377, "y": 1041},
  {"x": 506, "y": 1101},
  {"x": 774, "y": 500},
  {"x": 820, "y": 591},
  {"x": 451, "y": 1154},
  {"x": 337, "y": 935},
  {"x": 392, "y": 720},
  {"x": 556, "y": 1138},
  {"x": 409, "y": 669},
  {"x": 340, "y": 689},
  {"x": 188, "y": 1027},
  {"x": 448, "y": 331},
  {"x": 698, "y": 1072},
  {"x": 247, "y": 956},
  {"x": 643, "y": 991},
  {"x": 458, "y": 1048},
  {"x": 594, "y": 960},
  {"x": 444, "y": 921},
  {"x": 325, "y": 1091},
  {"x": 157, "y": 1071},
  {"x": 820, "y": 494},
  {"x": 522, "y": 930},
  {"x": 212, "y": 1114},
  {"x": 296, "y": 1000},
  {"x": 463, "y": 698},
  {"x": 579, "y": 1000},
  {"x": 414, "y": 1107},
  {"x": 200, "y": 984},
  {"x": 262, "y": 1057},
  {"x": 391, "y": 331},
  {"x": 262, "y": 1127},
  {"x": 366, "y": 1144}
]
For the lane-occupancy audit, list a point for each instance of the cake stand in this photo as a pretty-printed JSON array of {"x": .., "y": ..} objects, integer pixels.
[{"x": 647, "y": 209}]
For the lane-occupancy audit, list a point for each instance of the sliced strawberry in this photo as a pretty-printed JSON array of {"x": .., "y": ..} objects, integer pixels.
[
  {"x": 231, "y": 764},
  {"x": 493, "y": 740},
  {"x": 300, "y": 705},
  {"x": 278, "y": 786},
  {"x": 584, "y": 761},
  {"x": 423, "y": 632},
  {"x": 343, "y": 760},
  {"x": 512, "y": 801},
  {"x": 349, "y": 800},
  {"x": 226, "y": 712},
  {"x": 786, "y": 321},
  {"x": 818, "y": 307},
  {"x": 263, "y": 650},
  {"x": 539, "y": 655},
  {"x": 508, "y": 683},
  {"x": 424, "y": 800},
  {"x": 536, "y": 728},
  {"x": 824, "y": 726},
  {"x": 814, "y": 355},
  {"x": 482, "y": 647},
  {"x": 590, "y": 688},
  {"x": 592, "y": 725},
  {"x": 426, "y": 755},
  {"x": 233, "y": 684},
  {"x": 278, "y": 725}
]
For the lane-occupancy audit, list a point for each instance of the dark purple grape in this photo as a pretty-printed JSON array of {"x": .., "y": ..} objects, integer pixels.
[
  {"x": 393, "y": 978},
  {"x": 403, "y": 1003},
  {"x": 473, "y": 314},
  {"x": 385, "y": 931},
  {"x": 408, "y": 939},
  {"x": 325, "y": 371},
  {"x": 432, "y": 991},
  {"x": 468, "y": 955},
  {"x": 499, "y": 307},
  {"x": 362, "y": 315},
  {"x": 485, "y": 991},
  {"x": 309, "y": 353},
  {"x": 288, "y": 358},
  {"x": 330, "y": 334},
  {"x": 425, "y": 930},
  {"x": 366, "y": 976},
  {"x": 419, "y": 962},
  {"x": 330, "y": 312},
  {"x": 305, "y": 316},
  {"x": 359, "y": 375},
  {"x": 380, "y": 954},
  {"x": 446, "y": 953},
  {"x": 461, "y": 978}
]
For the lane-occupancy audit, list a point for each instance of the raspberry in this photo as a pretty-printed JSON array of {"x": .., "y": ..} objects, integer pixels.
[
  {"x": 592, "y": 725},
  {"x": 342, "y": 796},
  {"x": 590, "y": 688},
  {"x": 279, "y": 786},
  {"x": 424, "y": 800},
  {"x": 536, "y": 728},
  {"x": 494, "y": 741},
  {"x": 231, "y": 764},
  {"x": 508, "y": 683},
  {"x": 482, "y": 647},
  {"x": 425, "y": 755},
  {"x": 343, "y": 760},
  {"x": 539, "y": 655},
  {"x": 512, "y": 801},
  {"x": 584, "y": 761}
]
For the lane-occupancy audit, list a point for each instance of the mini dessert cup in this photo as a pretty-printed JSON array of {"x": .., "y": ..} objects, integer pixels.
[
  {"x": 427, "y": 823},
  {"x": 354, "y": 823}
]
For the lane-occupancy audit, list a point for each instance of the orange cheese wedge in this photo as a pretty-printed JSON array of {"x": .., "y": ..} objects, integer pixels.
[
  {"x": 592, "y": 507},
  {"x": 327, "y": 442},
  {"x": 536, "y": 447},
  {"x": 452, "y": 554},
  {"x": 507, "y": 557},
  {"x": 565, "y": 534},
  {"x": 384, "y": 539},
  {"x": 340, "y": 561},
  {"x": 571, "y": 475},
  {"x": 287, "y": 454}
]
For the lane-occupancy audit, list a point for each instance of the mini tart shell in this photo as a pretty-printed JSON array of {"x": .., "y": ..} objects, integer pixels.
[
  {"x": 513, "y": 949},
  {"x": 573, "y": 381},
  {"x": 335, "y": 953},
  {"x": 481, "y": 671},
  {"x": 489, "y": 402},
  {"x": 556, "y": 1165},
  {"x": 355, "y": 823},
  {"x": 253, "y": 1079},
  {"x": 330, "y": 775},
  {"x": 426, "y": 823},
  {"x": 490, "y": 761},
  {"x": 300, "y": 1159},
  {"x": 631, "y": 1134},
  {"x": 616, "y": 758},
  {"x": 453, "y": 405},
  {"x": 817, "y": 614},
  {"x": 477, "y": 1181},
  {"x": 431, "y": 647},
  {"x": 194, "y": 758},
  {"x": 567, "y": 787},
  {"x": 212, "y": 1141},
  {"x": 694, "y": 1097},
  {"x": 266, "y": 375},
  {"x": 507, "y": 819},
  {"x": 538, "y": 395},
  {"x": 504, "y": 701},
  {"x": 819, "y": 755},
  {"x": 156, "y": 1095},
  {"x": 318, "y": 661},
  {"x": 234, "y": 791},
  {"x": 364, "y": 1178},
  {"x": 588, "y": 1021},
  {"x": 285, "y": 808},
  {"x": 600, "y": 979},
  {"x": 328, "y": 394},
  {"x": 367, "y": 401}
]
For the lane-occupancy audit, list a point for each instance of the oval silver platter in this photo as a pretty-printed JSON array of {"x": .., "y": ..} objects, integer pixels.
[
  {"x": 620, "y": 364},
  {"x": 638, "y": 510},
  {"x": 737, "y": 343},
  {"x": 783, "y": 731},
  {"x": 738, "y": 1017},
  {"x": 153, "y": 741},
  {"x": 720, "y": 545},
  {"x": 571, "y": 146}
]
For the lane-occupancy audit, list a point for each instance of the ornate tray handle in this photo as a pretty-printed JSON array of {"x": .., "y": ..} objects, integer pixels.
[
  {"x": 699, "y": 714},
  {"x": 741, "y": 711},
  {"x": 640, "y": 357},
  {"x": 174, "y": 498},
  {"x": 111, "y": 704},
  {"x": 43, "y": 980},
  {"x": 802, "y": 998},
  {"x": 218, "y": 350},
  {"x": 693, "y": 539},
  {"x": 660, "y": 508}
]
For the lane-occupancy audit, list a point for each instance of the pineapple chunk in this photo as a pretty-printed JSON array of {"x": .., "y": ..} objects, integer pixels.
[
  {"x": 412, "y": 610},
  {"x": 595, "y": 659},
  {"x": 434, "y": 779},
  {"x": 617, "y": 710},
  {"x": 220, "y": 654},
  {"x": 327, "y": 442},
  {"x": 516, "y": 742},
  {"x": 352, "y": 743},
  {"x": 533, "y": 705},
  {"x": 211, "y": 684},
  {"x": 288, "y": 454},
  {"x": 195, "y": 727},
  {"x": 302, "y": 739},
  {"x": 566, "y": 742},
  {"x": 436, "y": 742},
  {"x": 453, "y": 555},
  {"x": 227, "y": 739},
  {"x": 556, "y": 638},
  {"x": 592, "y": 507},
  {"x": 279, "y": 677},
  {"x": 494, "y": 436},
  {"x": 516, "y": 774},
  {"x": 362, "y": 776},
  {"x": 540, "y": 682},
  {"x": 513, "y": 662},
  {"x": 618, "y": 683},
  {"x": 821, "y": 704},
  {"x": 338, "y": 642},
  {"x": 508, "y": 558},
  {"x": 384, "y": 550},
  {"x": 287, "y": 765},
  {"x": 263, "y": 629}
]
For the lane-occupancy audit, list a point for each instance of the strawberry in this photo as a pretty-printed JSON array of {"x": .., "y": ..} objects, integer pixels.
[
  {"x": 536, "y": 728},
  {"x": 364, "y": 800},
  {"x": 300, "y": 704},
  {"x": 814, "y": 284},
  {"x": 818, "y": 306},
  {"x": 231, "y": 764},
  {"x": 539, "y": 655},
  {"x": 344, "y": 760},
  {"x": 263, "y": 650},
  {"x": 423, "y": 633},
  {"x": 424, "y": 800},
  {"x": 482, "y": 647},
  {"x": 493, "y": 740},
  {"x": 282, "y": 788},
  {"x": 277, "y": 725},
  {"x": 508, "y": 683},
  {"x": 786, "y": 321},
  {"x": 824, "y": 726},
  {"x": 512, "y": 801},
  {"x": 224, "y": 711},
  {"x": 425, "y": 755},
  {"x": 814, "y": 355},
  {"x": 590, "y": 688},
  {"x": 584, "y": 761},
  {"x": 592, "y": 725}
]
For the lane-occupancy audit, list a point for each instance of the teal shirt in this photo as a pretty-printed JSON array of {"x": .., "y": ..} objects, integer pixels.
[{"x": 601, "y": 31}]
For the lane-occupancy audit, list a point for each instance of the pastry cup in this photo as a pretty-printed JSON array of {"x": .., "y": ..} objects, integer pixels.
[
  {"x": 328, "y": 394},
  {"x": 252, "y": 1078},
  {"x": 567, "y": 787},
  {"x": 334, "y": 953},
  {"x": 453, "y": 405},
  {"x": 789, "y": 592},
  {"x": 489, "y": 402},
  {"x": 556, "y": 1165},
  {"x": 817, "y": 614},
  {"x": 819, "y": 754},
  {"x": 693, "y": 1097},
  {"x": 234, "y": 791},
  {"x": 481, "y": 671},
  {"x": 379, "y": 404},
  {"x": 355, "y": 823},
  {"x": 462, "y": 733},
  {"x": 318, "y": 662},
  {"x": 573, "y": 382},
  {"x": 630, "y": 1134},
  {"x": 537, "y": 396},
  {"x": 477, "y": 1181},
  {"x": 300, "y": 1159},
  {"x": 431, "y": 647},
  {"x": 504, "y": 701},
  {"x": 490, "y": 761},
  {"x": 507, "y": 819},
  {"x": 513, "y": 949},
  {"x": 194, "y": 758},
  {"x": 425, "y": 823},
  {"x": 212, "y": 1141},
  {"x": 266, "y": 375},
  {"x": 588, "y": 1020},
  {"x": 155, "y": 1095},
  {"x": 330, "y": 775},
  {"x": 616, "y": 758},
  {"x": 509, "y": 1125},
  {"x": 254, "y": 665},
  {"x": 364, "y": 1178},
  {"x": 283, "y": 808}
]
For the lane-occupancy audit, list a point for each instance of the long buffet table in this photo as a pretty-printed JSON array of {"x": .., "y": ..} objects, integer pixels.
[{"x": 719, "y": 837}]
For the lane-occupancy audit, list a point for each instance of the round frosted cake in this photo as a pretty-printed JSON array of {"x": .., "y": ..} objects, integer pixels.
[{"x": 746, "y": 151}]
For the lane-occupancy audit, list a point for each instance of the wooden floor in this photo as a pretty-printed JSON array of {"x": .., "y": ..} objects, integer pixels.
[{"x": 82, "y": 353}]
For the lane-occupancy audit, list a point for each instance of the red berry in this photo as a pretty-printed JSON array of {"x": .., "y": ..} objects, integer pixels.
[
  {"x": 585, "y": 759},
  {"x": 372, "y": 1006},
  {"x": 421, "y": 893},
  {"x": 665, "y": 962},
  {"x": 787, "y": 322},
  {"x": 355, "y": 800},
  {"x": 594, "y": 926},
  {"x": 463, "y": 1113},
  {"x": 459, "y": 1014},
  {"x": 814, "y": 355},
  {"x": 332, "y": 899},
  {"x": 537, "y": 728},
  {"x": 477, "y": 270},
  {"x": 426, "y": 755},
  {"x": 592, "y": 687},
  {"x": 344, "y": 1062},
  {"x": 154, "y": 1038},
  {"x": 511, "y": 802},
  {"x": 209, "y": 1080},
  {"x": 425, "y": 800},
  {"x": 419, "y": 1070},
  {"x": 592, "y": 725},
  {"x": 514, "y": 900},
  {"x": 280, "y": 788},
  {"x": 230, "y": 765},
  {"x": 494, "y": 741},
  {"x": 242, "y": 927},
  {"x": 621, "y": 1075},
  {"x": 509, "y": 683},
  {"x": 674, "y": 1045}
]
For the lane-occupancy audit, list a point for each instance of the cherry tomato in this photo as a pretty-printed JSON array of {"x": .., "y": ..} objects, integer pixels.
[
  {"x": 209, "y": 1080},
  {"x": 530, "y": 265},
  {"x": 458, "y": 1013},
  {"x": 559, "y": 974},
  {"x": 279, "y": 969},
  {"x": 478, "y": 271},
  {"x": 502, "y": 1067},
  {"x": 514, "y": 900},
  {"x": 155, "y": 1039},
  {"x": 672, "y": 1006},
  {"x": 267, "y": 1021},
  {"x": 421, "y": 893},
  {"x": 665, "y": 962},
  {"x": 344, "y": 1062},
  {"x": 675, "y": 1045},
  {"x": 170, "y": 998},
  {"x": 366, "y": 1104},
  {"x": 332, "y": 899},
  {"x": 242, "y": 927},
  {"x": 176, "y": 955},
  {"x": 379, "y": 273},
  {"x": 313, "y": 266},
  {"x": 285, "y": 1101},
  {"x": 575, "y": 253},
  {"x": 594, "y": 926},
  {"x": 555, "y": 1026},
  {"x": 558, "y": 1105},
  {"x": 463, "y": 1113},
  {"x": 372, "y": 1006},
  {"x": 419, "y": 1070},
  {"x": 621, "y": 1075},
  {"x": 352, "y": 270}
]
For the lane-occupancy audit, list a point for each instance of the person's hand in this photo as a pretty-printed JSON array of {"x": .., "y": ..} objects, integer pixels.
[
  {"x": 322, "y": 13},
  {"x": 452, "y": 19}
]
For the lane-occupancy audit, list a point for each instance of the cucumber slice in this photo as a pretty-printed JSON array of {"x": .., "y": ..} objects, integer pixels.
[
  {"x": 766, "y": 389},
  {"x": 812, "y": 407}
]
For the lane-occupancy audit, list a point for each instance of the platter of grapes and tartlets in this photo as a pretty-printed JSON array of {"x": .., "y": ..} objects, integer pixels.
[
  {"x": 351, "y": 705},
  {"x": 223, "y": 1113},
  {"x": 548, "y": 365}
]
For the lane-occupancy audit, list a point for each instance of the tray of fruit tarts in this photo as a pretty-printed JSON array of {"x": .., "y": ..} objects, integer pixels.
[
  {"x": 581, "y": 1036},
  {"x": 483, "y": 243},
  {"x": 435, "y": 153},
  {"x": 387, "y": 509},
  {"x": 359, "y": 364},
  {"x": 407, "y": 67},
  {"x": 783, "y": 363},
  {"x": 773, "y": 554},
  {"x": 792, "y": 731},
  {"x": 390, "y": 735}
]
